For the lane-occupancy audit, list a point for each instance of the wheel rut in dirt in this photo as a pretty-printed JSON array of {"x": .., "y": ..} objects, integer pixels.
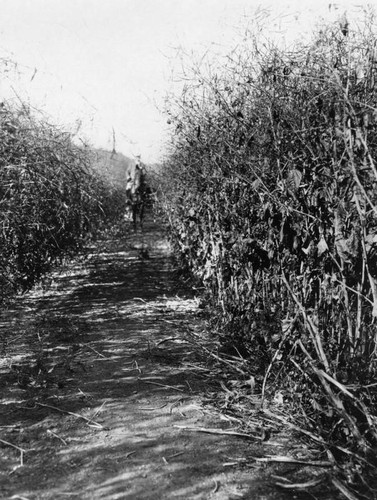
[{"x": 101, "y": 386}]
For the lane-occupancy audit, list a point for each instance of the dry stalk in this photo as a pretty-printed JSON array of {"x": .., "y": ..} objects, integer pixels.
[
  {"x": 89, "y": 347},
  {"x": 219, "y": 431},
  {"x": 299, "y": 486},
  {"x": 216, "y": 487},
  {"x": 96, "y": 412},
  {"x": 291, "y": 460},
  {"x": 371, "y": 279},
  {"x": 345, "y": 391},
  {"x": 7, "y": 443},
  {"x": 343, "y": 489},
  {"x": 56, "y": 436},
  {"x": 89, "y": 421},
  {"x": 170, "y": 339},
  {"x": 161, "y": 385},
  {"x": 313, "y": 330},
  {"x": 281, "y": 343},
  {"x": 357, "y": 180},
  {"x": 155, "y": 408},
  {"x": 338, "y": 404},
  {"x": 316, "y": 438},
  {"x": 233, "y": 364},
  {"x": 179, "y": 453},
  {"x": 21, "y": 450}
]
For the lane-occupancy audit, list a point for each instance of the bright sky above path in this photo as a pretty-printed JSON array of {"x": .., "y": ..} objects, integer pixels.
[{"x": 101, "y": 65}]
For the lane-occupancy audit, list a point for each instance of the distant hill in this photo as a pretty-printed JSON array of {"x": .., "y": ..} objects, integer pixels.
[{"x": 113, "y": 166}]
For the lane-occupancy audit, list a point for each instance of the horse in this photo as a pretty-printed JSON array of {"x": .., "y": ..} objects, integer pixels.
[{"x": 138, "y": 208}]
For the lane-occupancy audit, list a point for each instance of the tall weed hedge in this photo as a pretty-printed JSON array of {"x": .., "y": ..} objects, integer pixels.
[
  {"x": 271, "y": 195},
  {"x": 50, "y": 198}
]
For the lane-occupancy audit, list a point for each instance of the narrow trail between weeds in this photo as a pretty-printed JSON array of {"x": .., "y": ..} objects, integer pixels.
[{"x": 100, "y": 387}]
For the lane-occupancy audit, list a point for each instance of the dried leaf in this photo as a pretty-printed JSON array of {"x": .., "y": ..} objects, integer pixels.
[
  {"x": 294, "y": 179},
  {"x": 322, "y": 246}
]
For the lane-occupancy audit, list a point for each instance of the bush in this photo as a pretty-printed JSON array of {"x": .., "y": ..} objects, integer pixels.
[
  {"x": 271, "y": 197},
  {"x": 50, "y": 198}
]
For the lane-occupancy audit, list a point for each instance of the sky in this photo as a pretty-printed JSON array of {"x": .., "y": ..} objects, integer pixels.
[{"x": 102, "y": 68}]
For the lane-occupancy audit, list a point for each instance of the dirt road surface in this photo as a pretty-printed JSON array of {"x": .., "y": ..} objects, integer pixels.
[{"x": 102, "y": 392}]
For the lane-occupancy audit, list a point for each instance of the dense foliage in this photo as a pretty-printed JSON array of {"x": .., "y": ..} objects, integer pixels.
[
  {"x": 271, "y": 197},
  {"x": 50, "y": 198}
]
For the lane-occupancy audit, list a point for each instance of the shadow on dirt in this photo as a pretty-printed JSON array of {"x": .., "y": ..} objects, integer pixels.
[{"x": 97, "y": 376}]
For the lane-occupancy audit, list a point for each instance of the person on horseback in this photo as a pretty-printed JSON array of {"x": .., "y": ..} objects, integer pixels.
[
  {"x": 139, "y": 180},
  {"x": 135, "y": 196}
]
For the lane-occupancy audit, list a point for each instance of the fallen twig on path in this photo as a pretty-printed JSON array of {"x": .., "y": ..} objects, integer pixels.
[
  {"x": 136, "y": 366},
  {"x": 232, "y": 364},
  {"x": 170, "y": 338},
  {"x": 280, "y": 478},
  {"x": 291, "y": 460},
  {"x": 56, "y": 436},
  {"x": 85, "y": 395},
  {"x": 299, "y": 486},
  {"x": 13, "y": 446},
  {"x": 343, "y": 489},
  {"x": 161, "y": 385},
  {"x": 230, "y": 418},
  {"x": 155, "y": 408},
  {"x": 216, "y": 487},
  {"x": 189, "y": 386},
  {"x": 197, "y": 367},
  {"x": 21, "y": 450},
  {"x": 219, "y": 431},
  {"x": 99, "y": 354},
  {"x": 178, "y": 402},
  {"x": 234, "y": 461},
  {"x": 66, "y": 493},
  {"x": 96, "y": 412},
  {"x": 176, "y": 454},
  {"x": 87, "y": 420}
]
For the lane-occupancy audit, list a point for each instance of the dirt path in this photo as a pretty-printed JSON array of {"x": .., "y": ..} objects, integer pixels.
[{"x": 99, "y": 392}]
